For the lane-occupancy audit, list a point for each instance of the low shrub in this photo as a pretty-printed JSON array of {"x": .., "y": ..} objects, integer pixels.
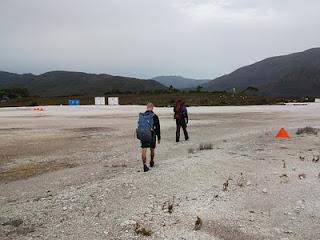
[
  {"x": 205, "y": 146},
  {"x": 191, "y": 151},
  {"x": 307, "y": 130}
]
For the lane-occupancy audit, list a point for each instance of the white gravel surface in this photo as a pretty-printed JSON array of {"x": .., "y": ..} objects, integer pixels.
[{"x": 106, "y": 194}]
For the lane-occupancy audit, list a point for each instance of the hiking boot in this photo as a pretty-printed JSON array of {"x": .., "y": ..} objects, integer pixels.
[
  {"x": 145, "y": 168},
  {"x": 151, "y": 163}
]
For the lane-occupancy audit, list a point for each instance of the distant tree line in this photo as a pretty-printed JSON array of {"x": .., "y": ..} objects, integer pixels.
[
  {"x": 12, "y": 93},
  {"x": 171, "y": 89}
]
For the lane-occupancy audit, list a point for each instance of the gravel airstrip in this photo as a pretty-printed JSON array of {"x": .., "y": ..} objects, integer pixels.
[{"x": 74, "y": 172}]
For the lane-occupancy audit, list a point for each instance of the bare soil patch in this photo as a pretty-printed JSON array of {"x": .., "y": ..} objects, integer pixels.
[{"x": 31, "y": 169}]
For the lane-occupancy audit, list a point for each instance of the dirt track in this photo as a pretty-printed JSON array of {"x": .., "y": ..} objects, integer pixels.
[{"x": 74, "y": 173}]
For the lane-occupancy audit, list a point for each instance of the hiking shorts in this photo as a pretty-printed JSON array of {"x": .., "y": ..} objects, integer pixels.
[{"x": 151, "y": 144}]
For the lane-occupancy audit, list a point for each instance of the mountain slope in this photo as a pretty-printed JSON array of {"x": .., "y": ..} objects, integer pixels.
[
  {"x": 179, "y": 82},
  {"x": 6, "y": 77},
  {"x": 59, "y": 83},
  {"x": 304, "y": 81},
  {"x": 290, "y": 75}
]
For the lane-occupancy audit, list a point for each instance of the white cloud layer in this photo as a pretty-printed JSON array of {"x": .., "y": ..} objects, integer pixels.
[{"x": 145, "y": 38}]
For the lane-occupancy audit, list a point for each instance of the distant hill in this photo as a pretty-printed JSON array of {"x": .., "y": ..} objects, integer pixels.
[
  {"x": 7, "y": 77},
  {"x": 179, "y": 82},
  {"x": 63, "y": 83},
  {"x": 295, "y": 74}
]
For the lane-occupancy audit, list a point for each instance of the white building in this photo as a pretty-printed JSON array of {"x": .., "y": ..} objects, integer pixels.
[
  {"x": 113, "y": 101},
  {"x": 100, "y": 101}
]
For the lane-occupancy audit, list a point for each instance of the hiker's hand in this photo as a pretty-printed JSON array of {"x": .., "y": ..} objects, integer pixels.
[{"x": 159, "y": 141}]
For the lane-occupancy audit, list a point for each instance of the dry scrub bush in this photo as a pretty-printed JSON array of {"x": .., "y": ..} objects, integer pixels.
[
  {"x": 205, "y": 146},
  {"x": 307, "y": 130}
]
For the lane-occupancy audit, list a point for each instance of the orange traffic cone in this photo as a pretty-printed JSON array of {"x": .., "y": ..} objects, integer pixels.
[{"x": 282, "y": 134}]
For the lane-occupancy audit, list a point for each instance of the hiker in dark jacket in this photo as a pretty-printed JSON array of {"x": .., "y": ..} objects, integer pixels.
[
  {"x": 181, "y": 117},
  {"x": 150, "y": 143}
]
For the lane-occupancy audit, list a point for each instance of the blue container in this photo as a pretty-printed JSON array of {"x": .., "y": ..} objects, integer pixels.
[{"x": 74, "y": 102}]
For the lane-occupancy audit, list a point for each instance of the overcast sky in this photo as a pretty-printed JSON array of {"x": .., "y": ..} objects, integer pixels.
[{"x": 146, "y": 38}]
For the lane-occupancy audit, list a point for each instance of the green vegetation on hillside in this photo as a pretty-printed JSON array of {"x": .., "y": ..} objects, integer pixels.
[
  {"x": 159, "y": 98},
  {"x": 13, "y": 93}
]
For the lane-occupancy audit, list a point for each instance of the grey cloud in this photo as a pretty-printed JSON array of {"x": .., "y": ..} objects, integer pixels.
[{"x": 145, "y": 38}]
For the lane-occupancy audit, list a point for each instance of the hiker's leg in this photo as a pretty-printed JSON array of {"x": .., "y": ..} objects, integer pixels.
[
  {"x": 144, "y": 155},
  {"x": 152, "y": 153},
  {"x": 186, "y": 135},
  {"x": 152, "y": 157},
  {"x": 144, "y": 159},
  {"x": 152, "y": 147},
  {"x": 178, "y": 130},
  {"x": 185, "y": 132}
]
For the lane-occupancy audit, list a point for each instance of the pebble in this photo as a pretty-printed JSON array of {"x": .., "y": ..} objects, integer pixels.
[
  {"x": 264, "y": 190},
  {"x": 277, "y": 230},
  {"x": 288, "y": 231},
  {"x": 299, "y": 202},
  {"x": 64, "y": 208},
  {"x": 128, "y": 223},
  {"x": 248, "y": 183}
]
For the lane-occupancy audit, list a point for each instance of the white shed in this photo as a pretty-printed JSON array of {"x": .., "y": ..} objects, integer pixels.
[
  {"x": 100, "y": 101},
  {"x": 113, "y": 101},
  {"x": 317, "y": 100}
]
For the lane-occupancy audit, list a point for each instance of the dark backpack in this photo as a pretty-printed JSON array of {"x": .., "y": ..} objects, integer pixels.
[
  {"x": 178, "y": 110},
  {"x": 145, "y": 127}
]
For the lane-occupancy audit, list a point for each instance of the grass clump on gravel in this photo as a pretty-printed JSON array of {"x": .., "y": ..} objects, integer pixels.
[
  {"x": 205, "y": 146},
  {"x": 307, "y": 130},
  {"x": 191, "y": 150},
  {"x": 202, "y": 147},
  {"x": 140, "y": 230}
]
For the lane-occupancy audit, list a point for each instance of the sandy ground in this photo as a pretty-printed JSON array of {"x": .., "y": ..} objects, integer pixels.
[{"x": 99, "y": 192}]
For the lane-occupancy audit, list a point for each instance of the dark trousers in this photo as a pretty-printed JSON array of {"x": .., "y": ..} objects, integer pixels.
[{"x": 181, "y": 123}]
